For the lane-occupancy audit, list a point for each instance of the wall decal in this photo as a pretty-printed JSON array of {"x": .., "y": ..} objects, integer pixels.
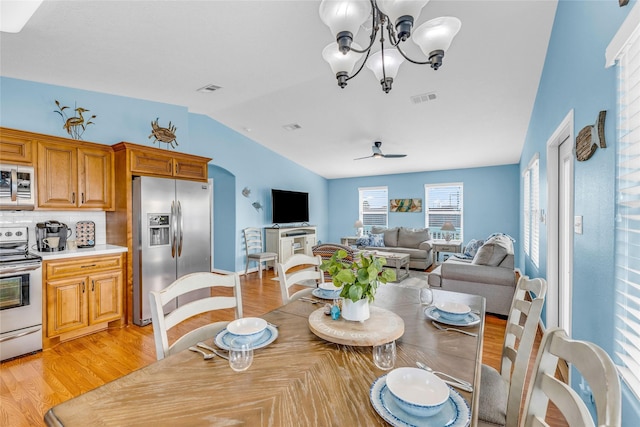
[
  {"x": 590, "y": 137},
  {"x": 166, "y": 135},
  {"x": 76, "y": 125}
]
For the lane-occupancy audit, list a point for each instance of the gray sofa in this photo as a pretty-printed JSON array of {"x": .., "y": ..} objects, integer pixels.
[
  {"x": 415, "y": 242},
  {"x": 490, "y": 274}
]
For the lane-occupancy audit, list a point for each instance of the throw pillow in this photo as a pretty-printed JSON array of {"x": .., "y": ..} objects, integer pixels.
[
  {"x": 492, "y": 252},
  {"x": 377, "y": 240},
  {"x": 363, "y": 241},
  {"x": 472, "y": 248},
  {"x": 391, "y": 237}
]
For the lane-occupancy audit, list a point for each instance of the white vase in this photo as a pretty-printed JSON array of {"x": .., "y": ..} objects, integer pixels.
[{"x": 355, "y": 311}]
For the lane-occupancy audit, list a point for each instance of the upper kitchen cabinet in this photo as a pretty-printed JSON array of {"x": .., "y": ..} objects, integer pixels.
[
  {"x": 150, "y": 161},
  {"x": 74, "y": 176},
  {"x": 15, "y": 147}
]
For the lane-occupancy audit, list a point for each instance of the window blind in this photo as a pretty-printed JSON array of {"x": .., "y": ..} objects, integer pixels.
[
  {"x": 627, "y": 241},
  {"x": 374, "y": 205},
  {"x": 444, "y": 204},
  {"x": 527, "y": 211},
  {"x": 535, "y": 212}
]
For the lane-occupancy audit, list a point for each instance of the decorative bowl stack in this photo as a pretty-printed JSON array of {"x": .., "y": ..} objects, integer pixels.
[
  {"x": 416, "y": 391},
  {"x": 328, "y": 291},
  {"x": 247, "y": 329}
]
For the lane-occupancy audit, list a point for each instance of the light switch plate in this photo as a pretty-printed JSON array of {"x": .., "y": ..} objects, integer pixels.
[{"x": 577, "y": 224}]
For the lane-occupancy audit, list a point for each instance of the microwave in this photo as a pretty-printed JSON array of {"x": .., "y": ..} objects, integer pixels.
[{"x": 17, "y": 187}]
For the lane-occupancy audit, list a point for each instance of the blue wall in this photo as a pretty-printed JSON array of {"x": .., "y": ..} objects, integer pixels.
[
  {"x": 491, "y": 196},
  {"x": 237, "y": 161},
  {"x": 575, "y": 77}
]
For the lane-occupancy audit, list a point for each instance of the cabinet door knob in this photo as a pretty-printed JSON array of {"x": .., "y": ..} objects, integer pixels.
[
  {"x": 73, "y": 197},
  {"x": 93, "y": 285},
  {"x": 83, "y": 286},
  {"x": 82, "y": 197}
]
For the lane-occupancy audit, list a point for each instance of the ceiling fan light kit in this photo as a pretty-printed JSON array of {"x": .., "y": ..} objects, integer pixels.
[
  {"x": 344, "y": 18},
  {"x": 377, "y": 153}
]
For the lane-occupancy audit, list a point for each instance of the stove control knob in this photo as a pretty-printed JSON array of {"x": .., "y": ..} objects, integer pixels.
[
  {"x": 18, "y": 233},
  {"x": 8, "y": 234}
]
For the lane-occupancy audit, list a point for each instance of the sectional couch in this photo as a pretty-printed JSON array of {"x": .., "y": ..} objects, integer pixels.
[
  {"x": 415, "y": 242},
  {"x": 490, "y": 274}
]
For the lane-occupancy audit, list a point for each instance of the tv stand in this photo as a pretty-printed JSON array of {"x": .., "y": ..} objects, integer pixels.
[{"x": 287, "y": 241}]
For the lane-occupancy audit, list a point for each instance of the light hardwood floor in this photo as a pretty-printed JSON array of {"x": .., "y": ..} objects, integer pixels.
[{"x": 30, "y": 385}]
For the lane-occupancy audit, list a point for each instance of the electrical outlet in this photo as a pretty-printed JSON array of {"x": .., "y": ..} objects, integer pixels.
[{"x": 577, "y": 224}]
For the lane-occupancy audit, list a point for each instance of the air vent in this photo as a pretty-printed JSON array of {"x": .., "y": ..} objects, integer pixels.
[
  {"x": 291, "y": 127},
  {"x": 209, "y": 88},
  {"x": 418, "y": 99}
]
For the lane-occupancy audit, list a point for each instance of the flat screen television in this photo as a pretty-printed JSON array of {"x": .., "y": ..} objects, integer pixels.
[{"x": 289, "y": 206}]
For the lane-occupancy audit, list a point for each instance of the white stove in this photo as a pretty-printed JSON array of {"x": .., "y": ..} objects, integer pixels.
[{"x": 20, "y": 295}]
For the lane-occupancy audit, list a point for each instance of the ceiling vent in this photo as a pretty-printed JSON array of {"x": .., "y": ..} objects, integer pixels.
[
  {"x": 209, "y": 88},
  {"x": 418, "y": 99},
  {"x": 291, "y": 127}
]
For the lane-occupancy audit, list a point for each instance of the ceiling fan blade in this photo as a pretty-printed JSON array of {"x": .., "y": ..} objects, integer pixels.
[
  {"x": 360, "y": 158},
  {"x": 393, "y": 156}
]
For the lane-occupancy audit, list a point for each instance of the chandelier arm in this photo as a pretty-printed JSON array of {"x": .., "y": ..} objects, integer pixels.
[
  {"x": 374, "y": 30},
  {"x": 361, "y": 67},
  {"x": 412, "y": 60},
  {"x": 392, "y": 36}
]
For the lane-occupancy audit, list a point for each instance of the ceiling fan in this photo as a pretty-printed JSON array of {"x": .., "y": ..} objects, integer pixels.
[{"x": 377, "y": 153}]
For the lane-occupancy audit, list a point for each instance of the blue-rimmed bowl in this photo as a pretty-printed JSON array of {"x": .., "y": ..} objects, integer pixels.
[
  {"x": 416, "y": 391},
  {"x": 247, "y": 329},
  {"x": 453, "y": 310},
  {"x": 329, "y": 290}
]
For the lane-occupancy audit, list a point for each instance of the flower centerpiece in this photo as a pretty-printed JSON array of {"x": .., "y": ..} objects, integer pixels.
[{"x": 359, "y": 280}]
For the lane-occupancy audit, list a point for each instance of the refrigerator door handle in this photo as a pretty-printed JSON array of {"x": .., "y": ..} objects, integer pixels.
[
  {"x": 172, "y": 229},
  {"x": 180, "y": 227}
]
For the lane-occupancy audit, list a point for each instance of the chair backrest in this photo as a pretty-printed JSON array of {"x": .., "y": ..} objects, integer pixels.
[
  {"x": 519, "y": 337},
  {"x": 326, "y": 250},
  {"x": 188, "y": 283},
  {"x": 253, "y": 240},
  {"x": 289, "y": 276},
  {"x": 593, "y": 363}
]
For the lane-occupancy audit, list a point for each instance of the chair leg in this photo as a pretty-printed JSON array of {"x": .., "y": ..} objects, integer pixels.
[
  {"x": 246, "y": 268},
  {"x": 260, "y": 269}
]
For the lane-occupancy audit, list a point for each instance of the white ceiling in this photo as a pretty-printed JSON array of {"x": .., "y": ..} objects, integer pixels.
[{"x": 266, "y": 55}]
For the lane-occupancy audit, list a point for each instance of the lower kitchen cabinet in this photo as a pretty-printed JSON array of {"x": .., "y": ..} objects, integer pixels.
[{"x": 83, "y": 295}]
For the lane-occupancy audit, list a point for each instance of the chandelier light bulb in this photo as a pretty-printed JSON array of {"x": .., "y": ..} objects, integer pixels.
[
  {"x": 344, "y": 18},
  {"x": 341, "y": 64},
  {"x": 402, "y": 14},
  {"x": 435, "y": 36},
  {"x": 385, "y": 71}
]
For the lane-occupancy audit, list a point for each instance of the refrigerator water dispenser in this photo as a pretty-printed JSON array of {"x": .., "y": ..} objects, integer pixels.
[{"x": 158, "y": 229}]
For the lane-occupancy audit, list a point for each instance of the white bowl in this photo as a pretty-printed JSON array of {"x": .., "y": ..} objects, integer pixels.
[
  {"x": 417, "y": 392},
  {"x": 329, "y": 287},
  {"x": 247, "y": 328},
  {"x": 453, "y": 310}
]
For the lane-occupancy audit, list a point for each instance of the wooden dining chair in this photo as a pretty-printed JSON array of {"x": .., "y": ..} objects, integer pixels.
[
  {"x": 595, "y": 366},
  {"x": 501, "y": 392},
  {"x": 192, "y": 282},
  {"x": 299, "y": 269},
  {"x": 326, "y": 251},
  {"x": 255, "y": 250}
]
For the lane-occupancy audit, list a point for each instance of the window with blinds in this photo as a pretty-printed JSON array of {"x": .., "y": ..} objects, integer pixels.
[
  {"x": 444, "y": 204},
  {"x": 627, "y": 241},
  {"x": 374, "y": 206},
  {"x": 531, "y": 198}
]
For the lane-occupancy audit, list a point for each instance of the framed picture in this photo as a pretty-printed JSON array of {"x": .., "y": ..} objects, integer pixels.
[{"x": 405, "y": 205}]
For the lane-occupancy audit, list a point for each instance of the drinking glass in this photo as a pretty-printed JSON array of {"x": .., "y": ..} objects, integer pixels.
[
  {"x": 240, "y": 355},
  {"x": 426, "y": 296},
  {"x": 384, "y": 355}
]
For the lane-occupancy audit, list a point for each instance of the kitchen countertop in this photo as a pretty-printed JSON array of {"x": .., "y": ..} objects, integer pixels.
[{"x": 73, "y": 253}]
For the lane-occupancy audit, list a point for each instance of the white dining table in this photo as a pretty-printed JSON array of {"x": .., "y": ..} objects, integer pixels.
[{"x": 299, "y": 379}]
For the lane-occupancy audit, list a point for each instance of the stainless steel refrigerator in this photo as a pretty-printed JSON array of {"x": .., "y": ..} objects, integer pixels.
[{"x": 171, "y": 238}]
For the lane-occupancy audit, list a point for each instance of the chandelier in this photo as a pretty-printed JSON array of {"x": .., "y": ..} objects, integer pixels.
[{"x": 344, "y": 18}]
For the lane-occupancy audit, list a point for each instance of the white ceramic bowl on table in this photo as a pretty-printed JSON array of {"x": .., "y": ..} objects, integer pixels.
[
  {"x": 247, "y": 328},
  {"x": 416, "y": 391},
  {"x": 329, "y": 290},
  {"x": 453, "y": 310}
]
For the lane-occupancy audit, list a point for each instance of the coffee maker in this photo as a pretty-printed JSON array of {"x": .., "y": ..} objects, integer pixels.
[{"x": 51, "y": 236}]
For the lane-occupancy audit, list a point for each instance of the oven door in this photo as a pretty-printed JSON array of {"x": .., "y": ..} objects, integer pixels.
[
  {"x": 17, "y": 187},
  {"x": 21, "y": 310}
]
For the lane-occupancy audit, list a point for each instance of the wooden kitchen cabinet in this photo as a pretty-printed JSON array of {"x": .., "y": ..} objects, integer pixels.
[
  {"x": 15, "y": 147},
  {"x": 155, "y": 162},
  {"x": 74, "y": 176},
  {"x": 83, "y": 295}
]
